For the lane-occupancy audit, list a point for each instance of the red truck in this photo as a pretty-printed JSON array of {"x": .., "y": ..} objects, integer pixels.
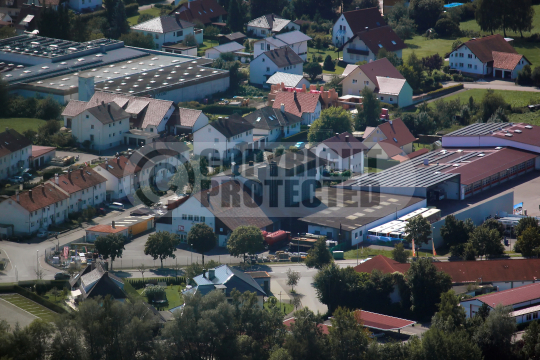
[{"x": 276, "y": 239}]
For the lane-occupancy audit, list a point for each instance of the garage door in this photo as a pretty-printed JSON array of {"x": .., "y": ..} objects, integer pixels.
[
  {"x": 507, "y": 74},
  {"x": 498, "y": 74}
]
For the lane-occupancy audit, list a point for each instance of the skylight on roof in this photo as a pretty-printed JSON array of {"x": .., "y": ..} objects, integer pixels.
[
  {"x": 380, "y": 46},
  {"x": 393, "y": 42}
]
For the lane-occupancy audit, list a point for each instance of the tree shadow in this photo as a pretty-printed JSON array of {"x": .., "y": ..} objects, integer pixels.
[{"x": 122, "y": 274}]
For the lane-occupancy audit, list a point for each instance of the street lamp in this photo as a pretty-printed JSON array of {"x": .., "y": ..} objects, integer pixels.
[{"x": 191, "y": 253}]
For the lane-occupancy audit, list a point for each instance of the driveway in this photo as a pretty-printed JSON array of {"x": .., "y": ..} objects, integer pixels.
[
  {"x": 82, "y": 156},
  {"x": 495, "y": 85}
]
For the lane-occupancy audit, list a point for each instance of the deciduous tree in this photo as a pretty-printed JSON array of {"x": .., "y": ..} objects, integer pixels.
[
  {"x": 201, "y": 237},
  {"x": 292, "y": 278},
  {"x": 245, "y": 240},
  {"x": 400, "y": 254},
  {"x": 370, "y": 112},
  {"x": 528, "y": 242},
  {"x": 486, "y": 242},
  {"x": 161, "y": 245},
  {"x": 525, "y": 223},
  {"x": 319, "y": 255},
  {"x": 419, "y": 229},
  {"x": 348, "y": 339},
  {"x": 313, "y": 69},
  {"x": 110, "y": 246},
  {"x": 332, "y": 120}
]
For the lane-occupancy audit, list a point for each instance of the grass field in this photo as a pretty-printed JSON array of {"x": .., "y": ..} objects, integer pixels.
[
  {"x": 514, "y": 98},
  {"x": 423, "y": 47},
  {"x": 174, "y": 297},
  {"x": 22, "y": 124},
  {"x": 152, "y": 11},
  {"x": 285, "y": 307},
  {"x": 368, "y": 252},
  {"x": 324, "y": 53},
  {"x": 30, "y": 306}
]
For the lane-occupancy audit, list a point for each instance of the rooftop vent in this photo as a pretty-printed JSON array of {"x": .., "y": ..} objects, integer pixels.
[
  {"x": 480, "y": 155},
  {"x": 528, "y": 126},
  {"x": 455, "y": 165},
  {"x": 517, "y": 131},
  {"x": 508, "y": 134},
  {"x": 395, "y": 140},
  {"x": 498, "y": 148}
]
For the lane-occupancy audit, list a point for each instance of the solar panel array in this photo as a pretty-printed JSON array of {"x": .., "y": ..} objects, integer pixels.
[{"x": 479, "y": 129}]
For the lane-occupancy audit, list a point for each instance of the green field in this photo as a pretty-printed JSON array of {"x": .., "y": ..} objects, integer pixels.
[
  {"x": 369, "y": 252},
  {"x": 285, "y": 307},
  {"x": 174, "y": 296},
  {"x": 22, "y": 124},
  {"x": 423, "y": 47},
  {"x": 514, "y": 98},
  {"x": 152, "y": 11},
  {"x": 30, "y": 306},
  {"x": 324, "y": 53}
]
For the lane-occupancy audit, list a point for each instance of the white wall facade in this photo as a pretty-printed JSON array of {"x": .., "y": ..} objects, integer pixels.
[
  {"x": 300, "y": 48},
  {"x": 341, "y": 32},
  {"x": 207, "y": 140},
  {"x": 91, "y": 236},
  {"x": 91, "y": 196},
  {"x": 80, "y": 5},
  {"x": 261, "y": 68},
  {"x": 354, "y": 163},
  {"x": 464, "y": 60},
  {"x": 11, "y": 164},
  {"x": 309, "y": 118},
  {"x": 169, "y": 37},
  {"x": 86, "y": 127}
]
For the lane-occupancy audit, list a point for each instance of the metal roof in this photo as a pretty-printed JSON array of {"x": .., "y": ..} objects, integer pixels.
[{"x": 479, "y": 129}]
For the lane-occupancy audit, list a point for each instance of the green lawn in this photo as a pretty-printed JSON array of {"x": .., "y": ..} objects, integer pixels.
[
  {"x": 424, "y": 47},
  {"x": 152, "y": 11},
  {"x": 368, "y": 252},
  {"x": 174, "y": 296},
  {"x": 22, "y": 124},
  {"x": 324, "y": 53},
  {"x": 285, "y": 307},
  {"x": 30, "y": 306},
  {"x": 514, "y": 98}
]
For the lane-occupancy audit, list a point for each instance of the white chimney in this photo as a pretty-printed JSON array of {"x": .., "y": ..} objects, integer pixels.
[
  {"x": 282, "y": 108},
  {"x": 56, "y": 179}
]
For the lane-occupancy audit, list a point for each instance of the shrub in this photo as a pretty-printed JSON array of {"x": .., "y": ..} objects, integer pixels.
[
  {"x": 329, "y": 64},
  {"x": 524, "y": 77},
  {"x": 154, "y": 292},
  {"x": 49, "y": 173},
  {"x": 536, "y": 76},
  {"x": 446, "y": 27}
]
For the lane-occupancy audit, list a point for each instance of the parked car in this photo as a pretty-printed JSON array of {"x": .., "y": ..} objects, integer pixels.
[
  {"x": 27, "y": 176},
  {"x": 61, "y": 276},
  {"x": 42, "y": 233},
  {"x": 116, "y": 206},
  {"x": 16, "y": 179}
]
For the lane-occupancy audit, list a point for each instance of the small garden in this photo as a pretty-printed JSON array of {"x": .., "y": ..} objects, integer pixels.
[{"x": 162, "y": 293}]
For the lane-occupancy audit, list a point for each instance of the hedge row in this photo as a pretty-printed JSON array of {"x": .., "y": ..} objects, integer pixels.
[
  {"x": 131, "y": 10},
  {"x": 47, "y": 285},
  {"x": 30, "y": 295},
  {"x": 140, "y": 283},
  {"x": 300, "y": 136},
  {"x": 444, "y": 91}
]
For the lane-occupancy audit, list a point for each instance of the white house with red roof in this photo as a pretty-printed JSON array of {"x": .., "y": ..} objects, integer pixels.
[
  {"x": 122, "y": 177},
  {"x": 41, "y": 156},
  {"x": 488, "y": 56},
  {"x": 524, "y": 300},
  {"x": 389, "y": 139},
  {"x": 343, "y": 152},
  {"x": 35, "y": 209},
  {"x": 306, "y": 105}
]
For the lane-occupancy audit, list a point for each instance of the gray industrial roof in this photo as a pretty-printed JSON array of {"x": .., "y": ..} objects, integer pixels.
[
  {"x": 163, "y": 24},
  {"x": 411, "y": 173},
  {"x": 479, "y": 129},
  {"x": 352, "y": 209}
]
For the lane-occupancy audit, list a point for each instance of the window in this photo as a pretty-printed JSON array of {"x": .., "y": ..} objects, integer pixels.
[
  {"x": 267, "y": 68},
  {"x": 391, "y": 99},
  {"x": 190, "y": 217},
  {"x": 203, "y": 218},
  {"x": 366, "y": 82},
  {"x": 469, "y": 66},
  {"x": 469, "y": 56},
  {"x": 91, "y": 126},
  {"x": 196, "y": 218},
  {"x": 529, "y": 317},
  {"x": 179, "y": 33},
  {"x": 535, "y": 315},
  {"x": 263, "y": 60},
  {"x": 87, "y": 116},
  {"x": 460, "y": 54},
  {"x": 91, "y": 137},
  {"x": 216, "y": 140},
  {"x": 382, "y": 97},
  {"x": 262, "y": 46},
  {"x": 475, "y": 67},
  {"x": 354, "y": 81},
  {"x": 157, "y": 36},
  {"x": 460, "y": 64}
]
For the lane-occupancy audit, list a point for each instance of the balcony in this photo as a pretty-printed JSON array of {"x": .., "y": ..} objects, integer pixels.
[{"x": 357, "y": 51}]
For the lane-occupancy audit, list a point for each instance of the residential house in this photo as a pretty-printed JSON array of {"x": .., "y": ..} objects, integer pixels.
[
  {"x": 84, "y": 186},
  {"x": 161, "y": 158},
  {"x": 278, "y": 60},
  {"x": 186, "y": 121},
  {"x": 262, "y": 278},
  {"x": 148, "y": 116},
  {"x": 306, "y": 105},
  {"x": 84, "y": 5},
  {"x": 94, "y": 232},
  {"x": 101, "y": 125},
  {"x": 296, "y": 40},
  {"x": 223, "y": 207},
  {"x": 5, "y": 19},
  {"x": 224, "y": 138},
  {"x": 236, "y": 37},
  {"x": 352, "y": 22},
  {"x": 225, "y": 279},
  {"x": 365, "y": 45},
  {"x": 524, "y": 301},
  {"x": 41, "y": 156},
  {"x": 28, "y": 18},
  {"x": 15, "y": 151},
  {"x": 122, "y": 177},
  {"x": 389, "y": 139},
  {"x": 488, "y": 56},
  {"x": 11, "y": 8},
  {"x": 168, "y": 30},
  {"x": 35, "y": 209},
  {"x": 97, "y": 282},
  {"x": 207, "y": 12},
  {"x": 288, "y": 80},
  {"x": 180, "y": 48},
  {"x": 269, "y": 24},
  {"x": 272, "y": 124},
  {"x": 343, "y": 152},
  {"x": 381, "y": 77},
  {"x": 230, "y": 47}
]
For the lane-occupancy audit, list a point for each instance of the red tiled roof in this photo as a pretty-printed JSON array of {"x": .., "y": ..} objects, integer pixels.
[
  {"x": 41, "y": 150},
  {"x": 383, "y": 322},
  {"x": 384, "y": 36},
  {"x": 511, "y": 296},
  {"x": 11, "y": 141},
  {"x": 530, "y": 136},
  {"x": 484, "y": 47},
  {"x": 40, "y": 197},
  {"x": 382, "y": 67},
  {"x": 390, "y": 148},
  {"x": 323, "y": 327},
  {"x": 202, "y": 10},
  {"x": 107, "y": 229},
  {"x": 490, "y": 164},
  {"x": 466, "y": 271},
  {"x": 506, "y": 61},
  {"x": 396, "y": 129},
  {"x": 417, "y": 153},
  {"x": 79, "y": 179},
  {"x": 296, "y": 104},
  {"x": 360, "y": 19},
  {"x": 121, "y": 167}
]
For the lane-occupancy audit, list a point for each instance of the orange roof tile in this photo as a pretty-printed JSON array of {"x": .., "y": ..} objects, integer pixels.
[
  {"x": 506, "y": 61},
  {"x": 296, "y": 103},
  {"x": 107, "y": 229}
]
